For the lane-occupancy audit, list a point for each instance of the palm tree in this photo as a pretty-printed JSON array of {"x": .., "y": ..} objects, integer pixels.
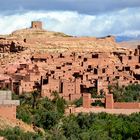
[{"x": 35, "y": 95}]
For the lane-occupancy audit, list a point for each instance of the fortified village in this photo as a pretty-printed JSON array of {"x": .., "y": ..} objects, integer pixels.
[{"x": 35, "y": 59}]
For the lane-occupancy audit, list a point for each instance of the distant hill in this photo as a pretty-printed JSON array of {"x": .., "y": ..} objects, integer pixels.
[
  {"x": 127, "y": 38},
  {"x": 130, "y": 44},
  {"x": 128, "y": 41}
]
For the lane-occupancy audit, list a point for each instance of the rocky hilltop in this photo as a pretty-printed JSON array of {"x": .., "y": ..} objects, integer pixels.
[
  {"x": 25, "y": 42},
  {"x": 39, "y": 39}
]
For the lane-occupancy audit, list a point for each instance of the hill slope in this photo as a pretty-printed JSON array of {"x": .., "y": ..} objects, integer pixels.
[
  {"x": 5, "y": 123},
  {"x": 42, "y": 41}
]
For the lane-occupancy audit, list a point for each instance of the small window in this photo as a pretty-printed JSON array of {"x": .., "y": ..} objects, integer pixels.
[
  {"x": 117, "y": 77},
  {"x": 52, "y": 72},
  {"x": 68, "y": 63},
  {"x": 61, "y": 56},
  {"x": 129, "y": 57},
  {"x": 25, "y": 40},
  {"x": 103, "y": 70},
  {"x": 107, "y": 78},
  {"x": 137, "y": 67},
  {"x": 85, "y": 59},
  {"x": 89, "y": 66},
  {"x": 94, "y": 55},
  {"x": 95, "y": 71},
  {"x": 58, "y": 67},
  {"x": 127, "y": 68}
]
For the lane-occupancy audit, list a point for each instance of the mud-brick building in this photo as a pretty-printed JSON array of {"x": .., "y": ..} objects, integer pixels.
[
  {"x": 72, "y": 74},
  {"x": 7, "y": 105},
  {"x": 26, "y": 79},
  {"x": 36, "y": 25}
]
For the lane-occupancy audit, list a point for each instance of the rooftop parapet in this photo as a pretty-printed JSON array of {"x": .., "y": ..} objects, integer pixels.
[
  {"x": 10, "y": 102},
  {"x": 6, "y": 98},
  {"x": 5, "y": 95}
]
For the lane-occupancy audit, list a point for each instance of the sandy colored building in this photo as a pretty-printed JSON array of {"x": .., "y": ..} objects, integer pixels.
[{"x": 7, "y": 105}]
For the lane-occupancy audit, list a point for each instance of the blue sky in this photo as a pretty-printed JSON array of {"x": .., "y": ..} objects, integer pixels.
[{"x": 74, "y": 17}]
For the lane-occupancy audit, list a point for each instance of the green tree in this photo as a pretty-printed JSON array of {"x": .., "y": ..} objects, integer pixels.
[
  {"x": 35, "y": 95},
  {"x": 78, "y": 102},
  {"x": 17, "y": 134}
]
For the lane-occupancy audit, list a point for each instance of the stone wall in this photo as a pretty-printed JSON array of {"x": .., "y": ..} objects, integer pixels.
[
  {"x": 125, "y": 105},
  {"x": 109, "y": 102}
]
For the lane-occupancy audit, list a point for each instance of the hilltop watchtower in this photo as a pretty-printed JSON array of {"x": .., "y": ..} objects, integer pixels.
[{"x": 36, "y": 24}]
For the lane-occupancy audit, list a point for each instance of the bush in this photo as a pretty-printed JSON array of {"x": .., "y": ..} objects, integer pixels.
[
  {"x": 17, "y": 134},
  {"x": 130, "y": 93},
  {"x": 79, "y": 102},
  {"x": 43, "y": 113}
]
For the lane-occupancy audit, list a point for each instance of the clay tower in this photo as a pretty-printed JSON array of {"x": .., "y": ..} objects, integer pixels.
[{"x": 36, "y": 24}]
